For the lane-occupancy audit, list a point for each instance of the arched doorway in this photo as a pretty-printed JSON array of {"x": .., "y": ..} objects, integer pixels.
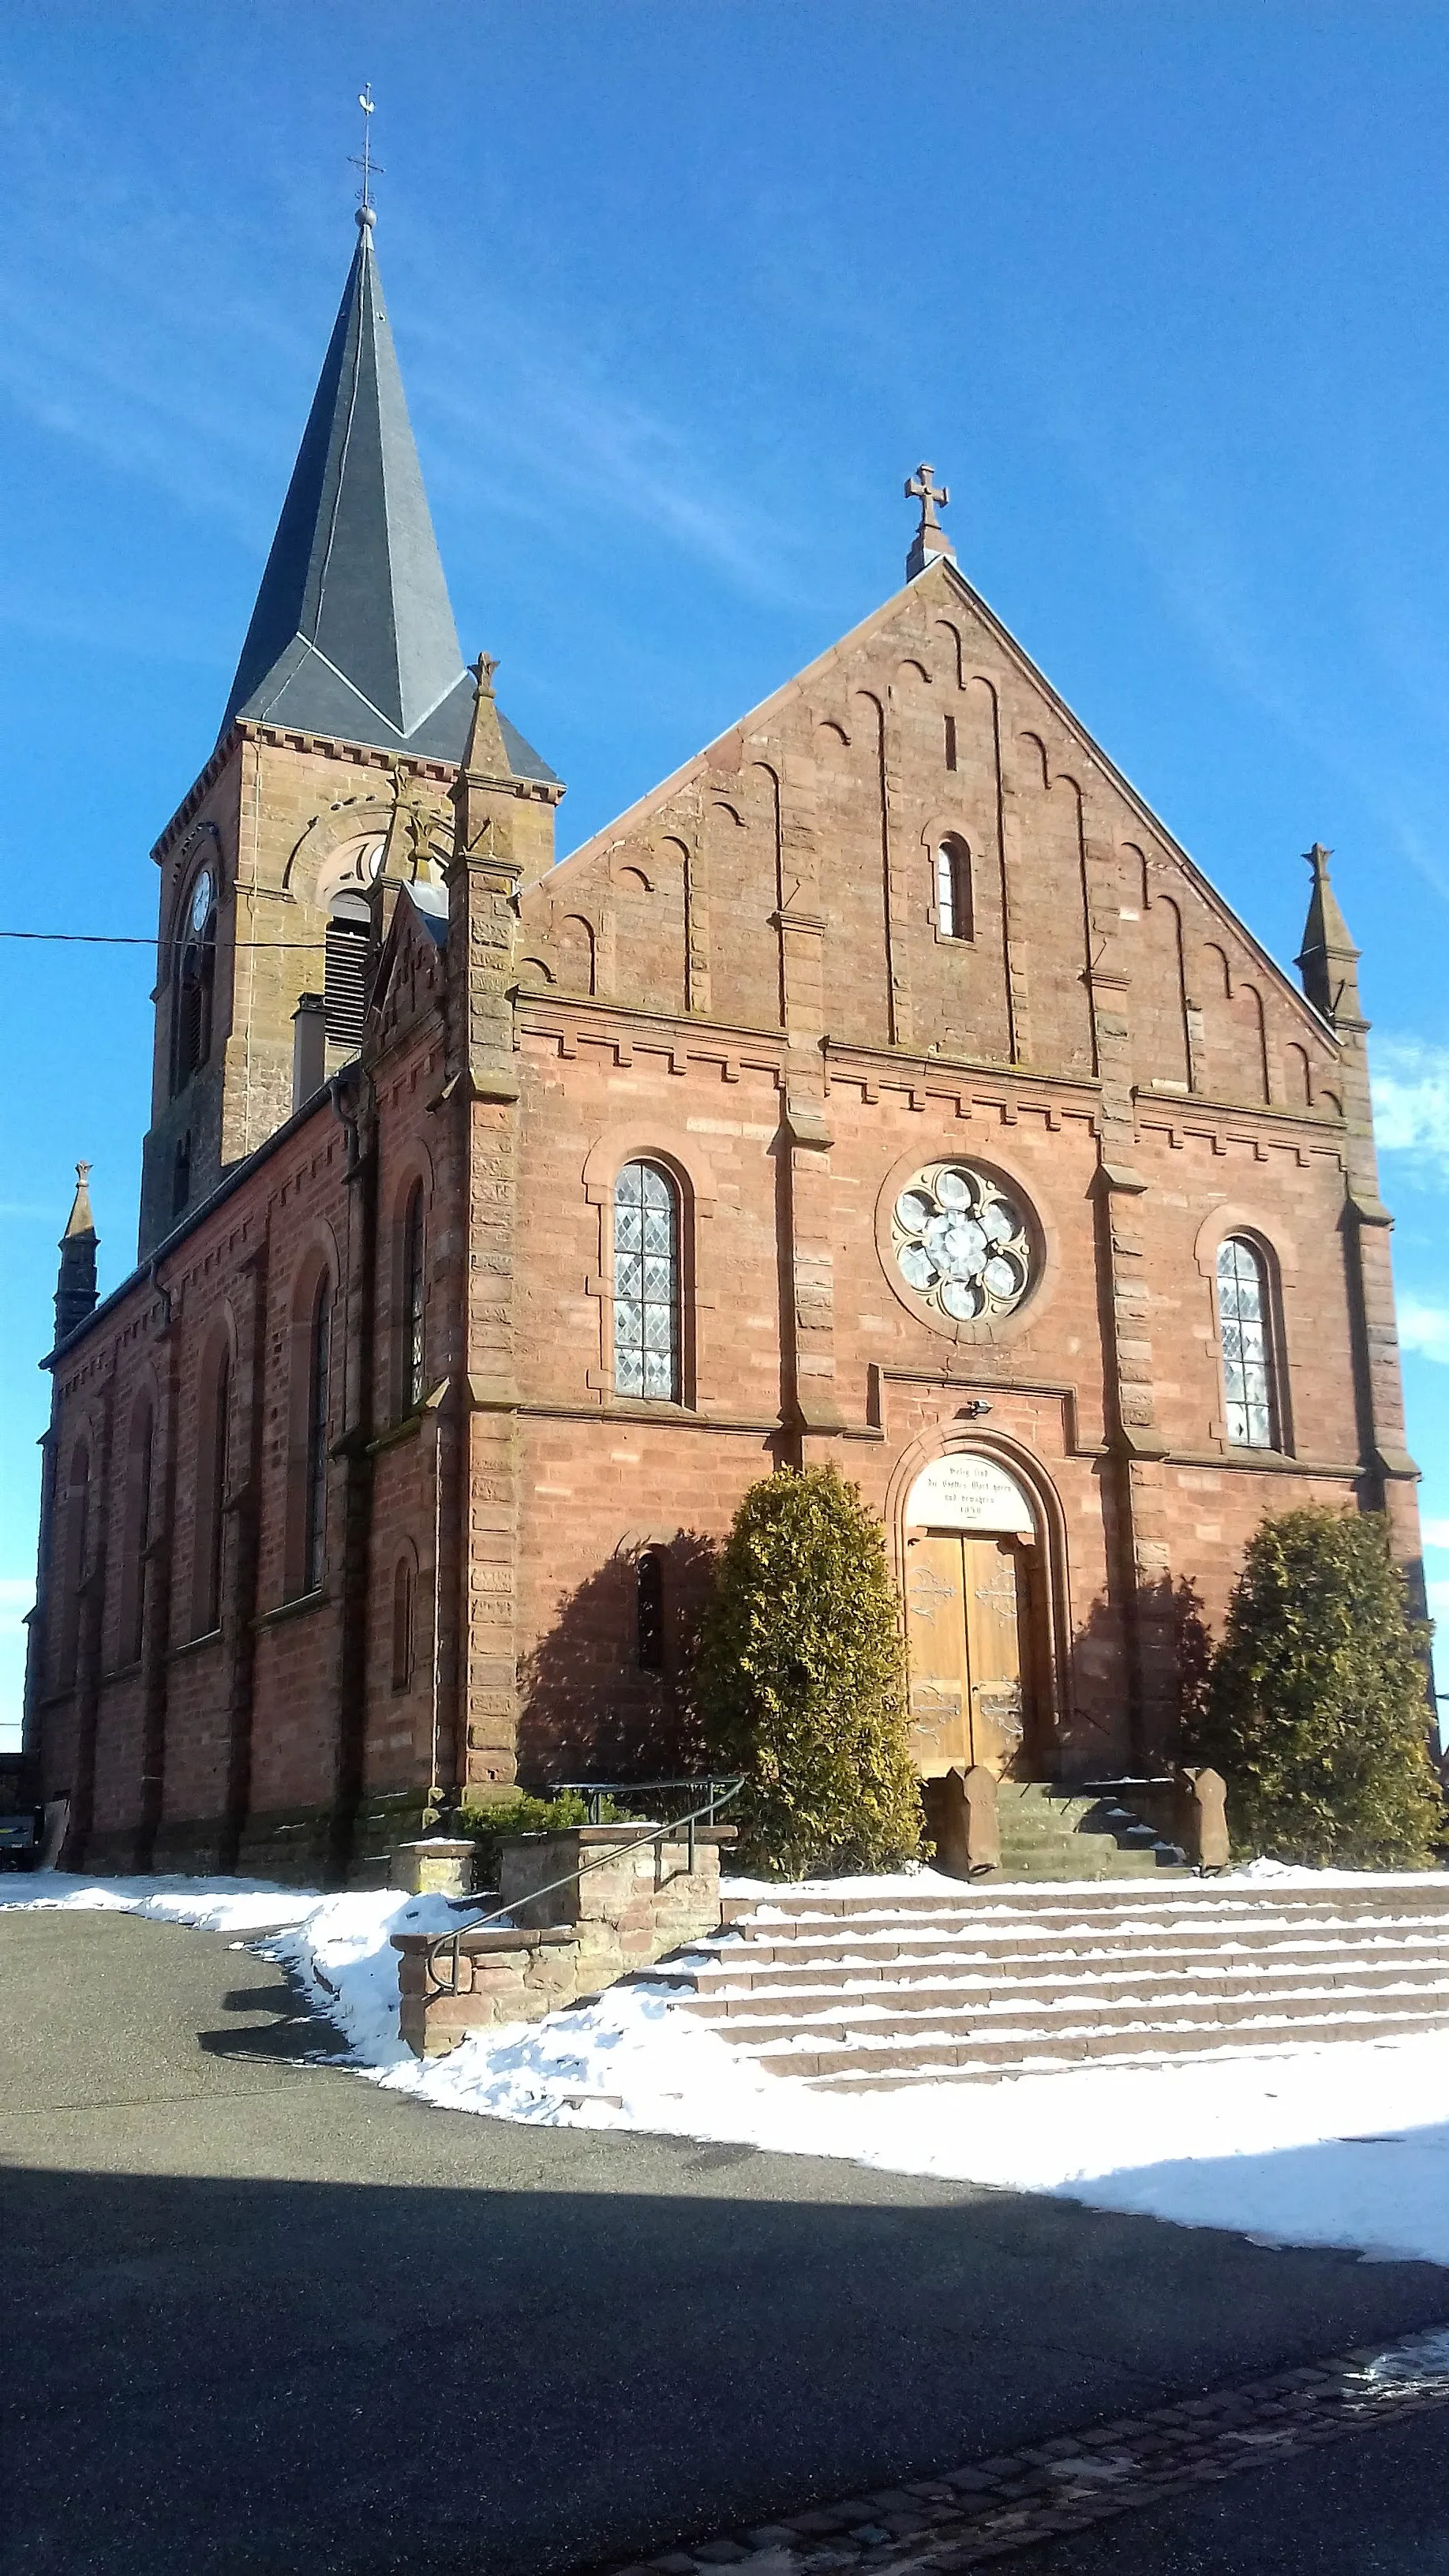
[{"x": 973, "y": 1590}]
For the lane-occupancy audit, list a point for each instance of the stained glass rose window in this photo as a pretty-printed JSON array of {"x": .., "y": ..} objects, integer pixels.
[{"x": 961, "y": 1242}]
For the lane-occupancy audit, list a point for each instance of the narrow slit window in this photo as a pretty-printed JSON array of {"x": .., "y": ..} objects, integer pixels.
[
  {"x": 950, "y": 742},
  {"x": 402, "y": 1625},
  {"x": 214, "y": 1525},
  {"x": 953, "y": 890},
  {"x": 646, "y": 1284},
  {"x": 73, "y": 1564},
  {"x": 1243, "y": 1329},
  {"x": 414, "y": 1347},
  {"x": 651, "y": 1611},
  {"x": 318, "y": 1373}
]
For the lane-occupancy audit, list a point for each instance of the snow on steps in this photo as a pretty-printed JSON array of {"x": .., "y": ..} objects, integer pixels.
[{"x": 855, "y": 1992}]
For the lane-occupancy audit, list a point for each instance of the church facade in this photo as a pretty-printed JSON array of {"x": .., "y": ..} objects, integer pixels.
[{"x": 886, "y": 1088}]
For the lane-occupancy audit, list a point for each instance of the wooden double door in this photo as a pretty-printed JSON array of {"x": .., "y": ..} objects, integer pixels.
[{"x": 969, "y": 1633}]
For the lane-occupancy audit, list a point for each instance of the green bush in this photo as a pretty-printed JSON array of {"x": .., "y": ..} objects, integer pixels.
[
  {"x": 1315, "y": 1709},
  {"x": 491, "y": 1820},
  {"x": 799, "y": 1682}
]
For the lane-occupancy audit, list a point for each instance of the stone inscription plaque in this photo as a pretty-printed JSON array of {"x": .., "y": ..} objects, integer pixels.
[{"x": 965, "y": 1492}]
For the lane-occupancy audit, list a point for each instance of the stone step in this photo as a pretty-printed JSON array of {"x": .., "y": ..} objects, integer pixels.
[
  {"x": 1017, "y": 2052},
  {"x": 743, "y": 1967},
  {"x": 1042, "y": 2008},
  {"x": 861, "y": 2071},
  {"x": 1209, "y": 1898},
  {"x": 827, "y": 1988}
]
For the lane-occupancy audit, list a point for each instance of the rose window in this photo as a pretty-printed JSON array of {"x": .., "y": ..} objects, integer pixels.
[{"x": 962, "y": 1243}]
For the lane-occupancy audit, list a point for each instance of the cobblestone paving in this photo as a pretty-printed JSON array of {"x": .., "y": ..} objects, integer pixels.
[{"x": 992, "y": 2507}]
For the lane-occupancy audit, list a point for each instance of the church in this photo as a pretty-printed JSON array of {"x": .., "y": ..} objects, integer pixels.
[{"x": 887, "y": 1087}]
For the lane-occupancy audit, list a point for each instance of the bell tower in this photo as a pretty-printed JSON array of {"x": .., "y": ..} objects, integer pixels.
[{"x": 347, "y": 719}]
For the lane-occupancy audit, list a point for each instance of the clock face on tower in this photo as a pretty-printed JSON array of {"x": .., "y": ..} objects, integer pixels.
[
  {"x": 962, "y": 1243},
  {"x": 203, "y": 897}
]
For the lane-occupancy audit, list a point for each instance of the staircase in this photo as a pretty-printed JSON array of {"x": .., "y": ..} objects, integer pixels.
[
  {"x": 1047, "y": 1833},
  {"x": 878, "y": 1991}
]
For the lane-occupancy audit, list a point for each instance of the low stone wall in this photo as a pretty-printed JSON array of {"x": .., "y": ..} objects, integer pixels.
[{"x": 629, "y": 1908}]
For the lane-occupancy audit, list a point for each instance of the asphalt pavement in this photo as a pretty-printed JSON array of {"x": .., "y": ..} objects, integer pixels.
[{"x": 261, "y": 2316}]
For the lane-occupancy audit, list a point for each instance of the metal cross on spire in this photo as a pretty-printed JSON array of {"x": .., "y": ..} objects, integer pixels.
[
  {"x": 363, "y": 160},
  {"x": 930, "y": 538}
]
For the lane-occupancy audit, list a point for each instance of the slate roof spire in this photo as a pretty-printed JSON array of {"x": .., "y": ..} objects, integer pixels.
[
  {"x": 353, "y": 634},
  {"x": 75, "y": 1290}
]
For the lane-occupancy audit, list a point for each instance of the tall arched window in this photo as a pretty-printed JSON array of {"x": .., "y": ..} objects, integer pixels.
[
  {"x": 213, "y": 1463},
  {"x": 75, "y": 1539},
  {"x": 1245, "y": 1336},
  {"x": 319, "y": 1366},
  {"x": 646, "y": 1284},
  {"x": 344, "y": 970},
  {"x": 137, "y": 1536},
  {"x": 412, "y": 1372},
  {"x": 953, "y": 889},
  {"x": 194, "y": 978}
]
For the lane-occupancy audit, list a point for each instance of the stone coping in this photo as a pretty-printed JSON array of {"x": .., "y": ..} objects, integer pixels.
[{"x": 555, "y": 1936}]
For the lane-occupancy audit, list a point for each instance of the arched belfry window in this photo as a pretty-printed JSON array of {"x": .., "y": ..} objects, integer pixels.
[
  {"x": 194, "y": 979},
  {"x": 1245, "y": 1335},
  {"x": 413, "y": 1350},
  {"x": 953, "y": 889},
  {"x": 344, "y": 970},
  {"x": 319, "y": 1373},
  {"x": 646, "y": 1284}
]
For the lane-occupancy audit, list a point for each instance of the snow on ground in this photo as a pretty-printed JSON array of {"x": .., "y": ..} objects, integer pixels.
[{"x": 1345, "y": 2145}]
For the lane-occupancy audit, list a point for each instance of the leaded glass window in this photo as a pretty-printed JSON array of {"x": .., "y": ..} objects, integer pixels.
[
  {"x": 315, "y": 1500},
  {"x": 646, "y": 1284},
  {"x": 1247, "y": 1359}
]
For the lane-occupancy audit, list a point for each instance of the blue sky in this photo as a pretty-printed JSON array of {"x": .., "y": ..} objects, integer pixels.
[{"x": 681, "y": 291}]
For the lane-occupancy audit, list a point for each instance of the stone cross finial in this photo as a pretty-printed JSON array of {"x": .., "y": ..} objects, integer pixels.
[
  {"x": 930, "y": 538},
  {"x": 1318, "y": 858},
  {"x": 483, "y": 670},
  {"x": 921, "y": 487}
]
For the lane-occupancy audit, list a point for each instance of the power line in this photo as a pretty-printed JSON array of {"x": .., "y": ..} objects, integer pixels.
[{"x": 129, "y": 939}]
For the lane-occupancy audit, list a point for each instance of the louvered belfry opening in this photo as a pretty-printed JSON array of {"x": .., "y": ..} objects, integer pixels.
[{"x": 344, "y": 988}]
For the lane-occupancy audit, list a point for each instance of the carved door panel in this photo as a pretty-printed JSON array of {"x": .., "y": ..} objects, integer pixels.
[
  {"x": 996, "y": 1595},
  {"x": 936, "y": 1633}
]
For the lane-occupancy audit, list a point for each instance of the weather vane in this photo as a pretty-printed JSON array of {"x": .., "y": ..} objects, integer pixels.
[{"x": 363, "y": 160}]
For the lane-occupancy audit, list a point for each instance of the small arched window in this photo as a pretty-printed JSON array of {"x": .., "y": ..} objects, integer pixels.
[
  {"x": 319, "y": 1370},
  {"x": 75, "y": 1538},
  {"x": 646, "y": 1284},
  {"x": 953, "y": 889},
  {"x": 194, "y": 979},
  {"x": 137, "y": 1537},
  {"x": 1244, "y": 1332},
  {"x": 412, "y": 1372},
  {"x": 651, "y": 1611},
  {"x": 402, "y": 1624},
  {"x": 344, "y": 971}
]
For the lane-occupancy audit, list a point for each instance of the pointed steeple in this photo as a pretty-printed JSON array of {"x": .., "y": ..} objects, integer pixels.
[
  {"x": 352, "y": 634},
  {"x": 75, "y": 1292},
  {"x": 1328, "y": 959}
]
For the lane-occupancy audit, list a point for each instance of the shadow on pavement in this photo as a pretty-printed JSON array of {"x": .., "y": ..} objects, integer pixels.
[{"x": 217, "y": 2377}]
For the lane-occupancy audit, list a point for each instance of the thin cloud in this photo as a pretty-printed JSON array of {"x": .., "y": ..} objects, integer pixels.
[
  {"x": 1411, "y": 1102},
  {"x": 1424, "y": 1329},
  {"x": 1436, "y": 1535}
]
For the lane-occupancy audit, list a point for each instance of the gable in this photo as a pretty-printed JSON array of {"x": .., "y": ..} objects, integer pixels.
[{"x": 927, "y": 730}]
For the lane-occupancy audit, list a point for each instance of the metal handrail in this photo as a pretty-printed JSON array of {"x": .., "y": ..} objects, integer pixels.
[
  {"x": 595, "y": 1791},
  {"x": 720, "y": 1795}
]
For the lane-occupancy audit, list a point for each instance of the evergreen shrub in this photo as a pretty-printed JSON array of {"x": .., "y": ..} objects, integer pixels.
[
  {"x": 518, "y": 1811},
  {"x": 1315, "y": 1710},
  {"x": 799, "y": 1682}
]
